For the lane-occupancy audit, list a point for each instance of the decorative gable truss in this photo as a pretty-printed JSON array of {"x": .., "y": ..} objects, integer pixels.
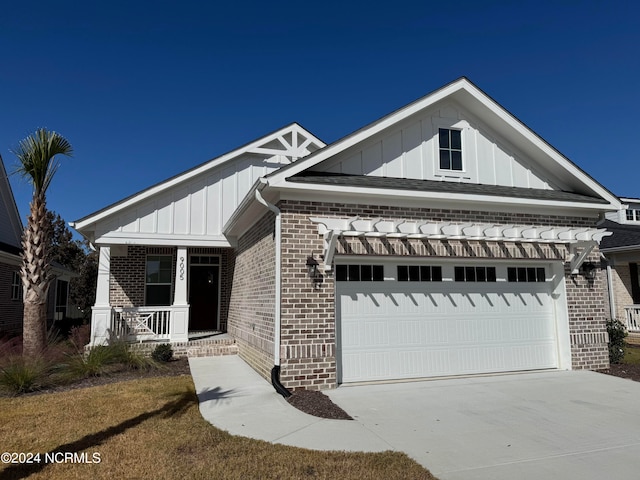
[
  {"x": 192, "y": 208},
  {"x": 581, "y": 240},
  {"x": 287, "y": 147}
]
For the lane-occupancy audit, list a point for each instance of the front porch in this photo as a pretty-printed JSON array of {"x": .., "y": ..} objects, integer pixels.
[{"x": 150, "y": 295}]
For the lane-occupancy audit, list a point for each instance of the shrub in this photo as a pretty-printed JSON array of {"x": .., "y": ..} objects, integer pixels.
[
  {"x": 21, "y": 374},
  {"x": 162, "y": 353},
  {"x": 92, "y": 364},
  {"x": 617, "y": 333},
  {"x": 129, "y": 357}
]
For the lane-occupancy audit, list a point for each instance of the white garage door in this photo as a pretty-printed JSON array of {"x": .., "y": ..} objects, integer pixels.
[{"x": 412, "y": 321}]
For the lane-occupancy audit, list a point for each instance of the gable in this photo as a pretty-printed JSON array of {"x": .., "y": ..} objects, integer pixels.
[
  {"x": 197, "y": 207},
  {"x": 410, "y": 150},
  {"x": 10, "y": 224},
  {"x": 497, "y": 150},
  {"x": 192, "y": 207}
]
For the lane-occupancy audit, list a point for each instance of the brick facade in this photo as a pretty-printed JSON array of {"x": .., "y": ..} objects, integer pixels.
[
  {"x": 252, "y": 302},
  {"x": 621, "y": 279},
  {"x": 308, "y": 318},
  {"x": 308, "y": 333}
]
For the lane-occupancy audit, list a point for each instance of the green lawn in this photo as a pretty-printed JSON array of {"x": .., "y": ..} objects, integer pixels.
[
  {"x": 631, "y": 355},
  {"x": 152, "y": 428}
]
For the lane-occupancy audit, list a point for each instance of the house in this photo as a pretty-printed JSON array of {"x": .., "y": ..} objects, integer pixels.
[
  {"x": 445, "y": 238},
  {"x": 11, "y": 229},
  {"x": 10, "y": 236},
  {"x": 622, "y": 251}
]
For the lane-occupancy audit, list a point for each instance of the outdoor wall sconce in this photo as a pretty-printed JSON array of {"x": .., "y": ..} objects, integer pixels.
[
  {"x": 588, "y": 270},
  {"x": 314, "y": 273}
]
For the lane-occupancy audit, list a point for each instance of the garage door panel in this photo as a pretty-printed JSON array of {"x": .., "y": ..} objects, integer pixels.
[{"x": 392, "y": 329}]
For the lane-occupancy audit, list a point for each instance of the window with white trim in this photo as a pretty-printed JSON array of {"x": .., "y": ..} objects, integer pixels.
[
  {"x": 16, "y": 286},
  {"x": 450, "y": 146},
  {"x": 158, "y": 280}
]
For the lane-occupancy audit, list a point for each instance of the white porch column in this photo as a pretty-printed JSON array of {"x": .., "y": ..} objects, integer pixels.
[
  {"x": 101, "y": 311},
  {"x": 180, "y": 312}
]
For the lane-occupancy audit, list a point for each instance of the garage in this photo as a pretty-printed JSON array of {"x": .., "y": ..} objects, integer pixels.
[{"x": 402, "y": 320}]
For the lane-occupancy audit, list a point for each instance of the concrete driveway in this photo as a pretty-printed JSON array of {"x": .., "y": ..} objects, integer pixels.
[{"x": 545, "y": 425}]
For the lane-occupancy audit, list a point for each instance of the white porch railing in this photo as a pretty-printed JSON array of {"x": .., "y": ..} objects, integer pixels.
[
  {"x": 632, "y": 318},
  {"x": 141, "y": 323}
]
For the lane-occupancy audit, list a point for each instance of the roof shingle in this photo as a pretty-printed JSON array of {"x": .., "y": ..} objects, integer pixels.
[{"x": 364, "y": 181}]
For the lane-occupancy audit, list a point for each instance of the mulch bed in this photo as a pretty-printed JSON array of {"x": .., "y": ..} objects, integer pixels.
[
  {"x": 177, "y": 366},
  {"x": 318, "y": 404},
  {"x": 631, "y": 372}
]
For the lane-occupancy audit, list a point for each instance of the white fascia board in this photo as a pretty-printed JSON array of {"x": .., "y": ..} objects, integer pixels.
[
  {"x": 472, "y": 201},
  {"x": 512, "y": 122},
  {"x": 117, "y": 238},
  {"x": 10, "y": 259},
  {"x": 216, "y": 162},
  {"x": 246, "y": 202},
  {"x": 248, "y": 212},
  {"x": 626, "y": 248}
]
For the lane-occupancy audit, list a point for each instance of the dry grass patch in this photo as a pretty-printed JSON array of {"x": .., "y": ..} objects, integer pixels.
[{"x": 152, "y": 428}]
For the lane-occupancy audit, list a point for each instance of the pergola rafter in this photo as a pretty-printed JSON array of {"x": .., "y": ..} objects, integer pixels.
[{"x": 581, "y": 240}]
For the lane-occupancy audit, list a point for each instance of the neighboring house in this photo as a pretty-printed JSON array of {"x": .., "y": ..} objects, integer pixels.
[
  {"x": 10, "y": 261},
  {"x": 622, "y": 250},
  {"x": 10, "y": 235},
  {"x": 445, "y": 238}
]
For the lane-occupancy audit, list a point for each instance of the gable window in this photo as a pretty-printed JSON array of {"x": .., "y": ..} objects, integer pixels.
[
  {"x": 16, "y": 286},
  {"x": 450, "y": 142},
  {"x": 419, "y": 273},
  {"x": 474, "y": 274},
  {"x": 359, "y": 273},
  {"x": 158, "y": 280}
]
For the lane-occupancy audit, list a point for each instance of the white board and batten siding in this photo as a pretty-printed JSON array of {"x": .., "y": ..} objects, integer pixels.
[
  {"x": 198, "y": 207},
  {"x": 410, "y": 150},
  {"x": 389, "y": 330}
]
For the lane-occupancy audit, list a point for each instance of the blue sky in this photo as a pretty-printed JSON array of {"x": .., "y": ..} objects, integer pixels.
[{"x": 146, "y": 90}]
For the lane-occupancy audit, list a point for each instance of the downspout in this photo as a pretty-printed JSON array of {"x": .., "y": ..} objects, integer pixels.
[
  {"x": 275, "y": 371},
  {"x": 612, "y": 302}
]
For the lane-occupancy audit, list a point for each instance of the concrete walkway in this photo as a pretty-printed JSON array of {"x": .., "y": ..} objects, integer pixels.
[
  {"x": 233, "y": 397},
  {"x": 557, "y": 424}
]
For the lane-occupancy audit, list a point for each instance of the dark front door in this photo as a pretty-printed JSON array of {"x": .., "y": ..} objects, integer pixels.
[{"x": 203, "y": 297}]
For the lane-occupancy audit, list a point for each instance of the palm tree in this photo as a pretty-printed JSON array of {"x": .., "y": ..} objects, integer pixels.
[{"x": 37, "y": 165}]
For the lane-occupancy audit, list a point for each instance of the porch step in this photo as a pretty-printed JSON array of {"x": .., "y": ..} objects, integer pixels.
[
  {"x": 633, "y": 339},
  {"x": 211, "y": 346},
  {"x": 206, "y": 347}
]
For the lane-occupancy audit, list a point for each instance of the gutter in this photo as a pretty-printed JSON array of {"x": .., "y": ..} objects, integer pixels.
[{"x": 275, "y": 371}]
